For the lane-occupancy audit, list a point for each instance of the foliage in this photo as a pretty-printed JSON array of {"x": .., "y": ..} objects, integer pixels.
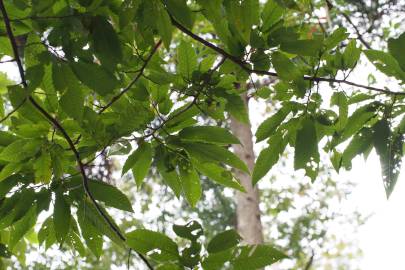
[{"x": 94, "y": 77}]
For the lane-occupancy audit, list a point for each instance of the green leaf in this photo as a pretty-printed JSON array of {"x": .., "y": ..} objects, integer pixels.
[
  {"x": 95, "y": 77},
  {"x": 218, "y": 174},
  {"x": 191, "y": 231},
  {"x": 190, "y": 182},
  {"x": 208, "y": 134},
  {"x": 204, "y": 152},
  {"x": 19, "y": 150},
  {"x": 110, "y": 195},
  {"x": 390, "y": 150},
  {"x": 386, "y": 63},
  {"x": 223, "y": 241},
  {"x": 309, "y": 47},
  {"x": 260, "y": 60},
  {"x": 396, "y": 47},
  {"x": 139, "y": 161},
  {"x": 61, "y": 217},
  {"x": 21, "y": 227},
  {"x": 9, "y": 169},
  {"x": 42, "y": 167},
  {"x": 286, "y": 69},
  {"x": 180, "y": 11},
  {"x": 216, "y": 261},
  {"x": 268, "y": 157},
  {"x": 146, "y": 241},
  {"x": 186, "y": 60},
  {"x": 92, "y": 237},
  {"x": 269, "y": 126},
  {"x": 168, "y": 171},
  {"x": 272, "y": 12},
  {"x": 339, "y": 99},
  {"x": 107, "y": 46},
  {"x": 7, "y": 184},
  {"x": 257, "y": 256},
  {"x": 358, "y": 145},
  {"x": 351, "y": 55},
  {"x": 336, "y": 37},
  {"x": 93, "y": 217},
  {"x": 355, "y": 122},
  {"x": 306, "y": 148},
  {"x": 72, "y": 103},
  {"x": 163, "y": 23}
]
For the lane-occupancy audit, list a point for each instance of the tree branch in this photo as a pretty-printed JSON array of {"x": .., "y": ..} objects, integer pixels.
[
  {"x": 13, "y": 111},
  {"x": 243, "y": 65},
  {"x": 58, "y": 126},
  {"x": 140, "y": 72}
]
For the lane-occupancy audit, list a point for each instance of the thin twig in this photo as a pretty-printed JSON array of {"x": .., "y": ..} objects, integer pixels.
[
  {"x": 359, "y": 35},
  {"x": 13, "y": 111},
  {"x": 240, "y": 63},
  {"x": 128, "y": 87}
]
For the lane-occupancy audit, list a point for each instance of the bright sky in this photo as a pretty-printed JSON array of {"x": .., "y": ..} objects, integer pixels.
[{"x": 382, "y": 238}]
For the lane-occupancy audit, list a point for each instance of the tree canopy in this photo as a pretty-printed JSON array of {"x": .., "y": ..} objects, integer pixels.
[{"x": 132, "y": 78}]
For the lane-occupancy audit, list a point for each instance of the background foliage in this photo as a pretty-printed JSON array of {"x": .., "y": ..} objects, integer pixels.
[{"x": 106, "y": 78}]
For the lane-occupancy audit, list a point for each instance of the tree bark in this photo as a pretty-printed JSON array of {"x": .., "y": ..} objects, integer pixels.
[{"x": 249, "y": 224}]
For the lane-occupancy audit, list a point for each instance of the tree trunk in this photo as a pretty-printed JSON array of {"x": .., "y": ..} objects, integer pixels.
[{"x": 249, "y": 224}]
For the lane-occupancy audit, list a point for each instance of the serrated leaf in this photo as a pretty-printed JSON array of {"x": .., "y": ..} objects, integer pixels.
[
  {"x": 92, "y": 237},
  {"x": 396, "y": 48},
  {"x": 257, "y": 256},
  {"x": 110, "y": 195},
  {"x": 351, "y": 55},
  {"x": 386, "y": 63},
  {"x": 153, "y": 244},
  {"x": 336, "y": 37},
  {"x": 272, "y": 12},
  {"x": 191, "y": 231},
  {"x": 180, "y": 10},
  {"x": 308, "y": 47},
  {"x": 204, "y": 152},
  {"x": 223, "y": 241},
  {"x": 268, "y": 157},
  {"x": 72, "y": 103},
  {"x": 208, "y": 134},
  {"x": 43, "y": 169},
  {"x": 218, "y": 174},
  {"x": 106, "y": 43},
  {"x": 168, "y": 171},
  {"x": 269, "y": 126},
  {"x": 356, "y": 122},
  {"x": 286, "y": 69},
  {"x": 190, "y": 182},
  {"x": 339, "y": 99},
  {"x": 21, "y": 227},
  {"x": 95, "y": 77},
  {"x": 306, "y": 148},
  {"x": 358, "y": 145},
  {"x": 390, "y": 150},
  {"x": 14, "y": 151},
  {"x": 61, "y": 217},
  {"x": 186, "y": 59},
  {"x": 163, "y": 23},
  {"x": 139, "y": 161},
  {"x": 9, "y": 169},
  {"x": 93, "y": 217}
]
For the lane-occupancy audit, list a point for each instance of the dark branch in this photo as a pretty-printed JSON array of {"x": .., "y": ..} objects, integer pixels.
[
  {"x": 13, "y": 111},
  {"x": 243, "y": 65},
  {"x": 59, "y": 127},
  {"x": 7, "y": 61}
]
